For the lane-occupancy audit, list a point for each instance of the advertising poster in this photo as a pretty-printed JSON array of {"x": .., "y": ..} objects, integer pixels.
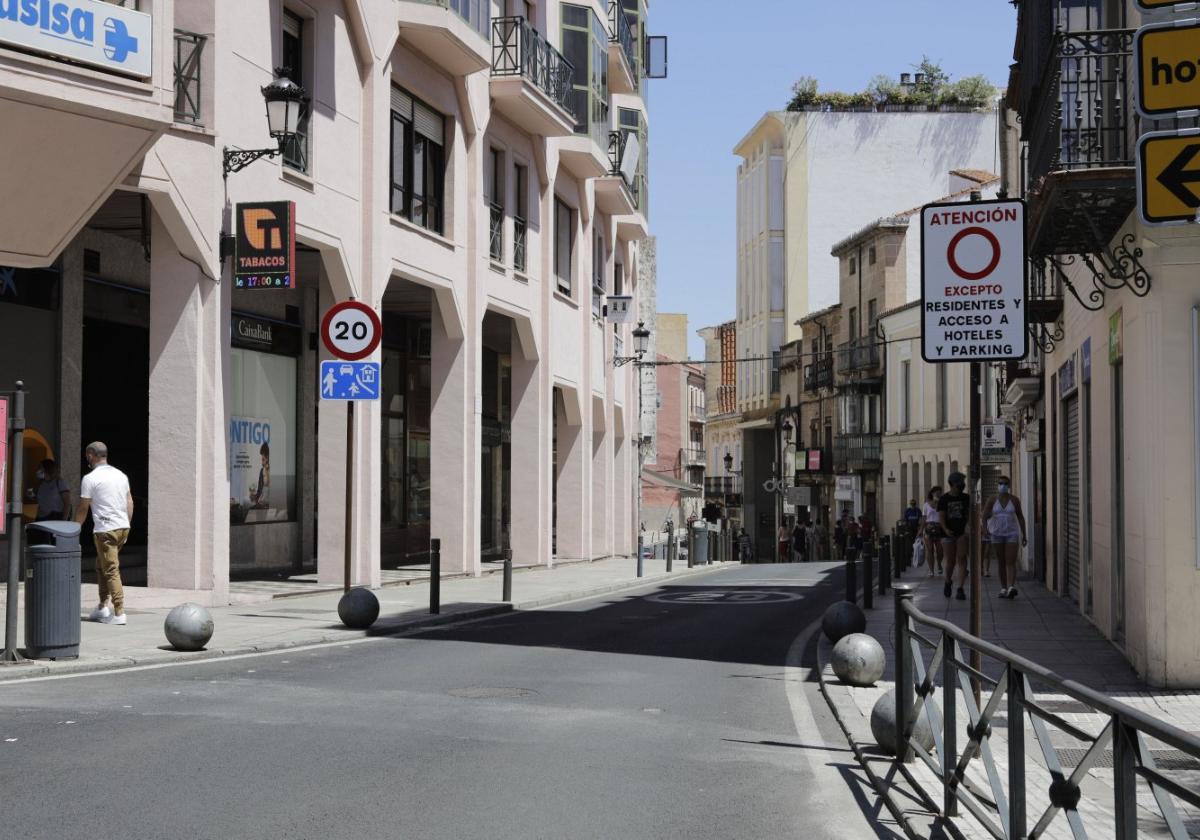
[{"x": 254, "y": 495}]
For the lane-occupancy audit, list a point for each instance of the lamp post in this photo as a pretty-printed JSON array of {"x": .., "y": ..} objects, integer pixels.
[
  {"x": 286, "y": 101},
  {"x": 641, "y": 344}
]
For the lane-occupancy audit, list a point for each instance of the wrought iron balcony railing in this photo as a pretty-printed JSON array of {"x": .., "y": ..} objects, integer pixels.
[
  {"x": 722, "y": 485},
  {"x": 819, "y": 374},
  {"x": 621, "y": 32},
  {"x": 1082, "y": 114},
  {"x": 857, "y": 452},
  {"x": 496, "y": 231},
  {"x": 692, "y": 457},
  {"x": 520, "y": 50},
  {"x": 189, "y": 47},
  {"x": 858, "y": 354}
]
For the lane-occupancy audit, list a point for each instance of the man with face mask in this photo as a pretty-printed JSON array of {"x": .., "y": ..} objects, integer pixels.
[{"x": 1005, "y": 523}]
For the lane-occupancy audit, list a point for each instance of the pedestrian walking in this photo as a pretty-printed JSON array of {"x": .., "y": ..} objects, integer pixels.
[
  {"x": 799, "y": 541},
  {"x": 53, "y": 494},
  {"x": 912, "y": 518},
  {"x": 105, "y": 494},
  {"x": 931, "y": 531},
  {"x": 841, "y": 533},
  {"x": 785, "y": 541},
  {"x": 1004, "y": 522},
  {"x": 954, "y": 513}
]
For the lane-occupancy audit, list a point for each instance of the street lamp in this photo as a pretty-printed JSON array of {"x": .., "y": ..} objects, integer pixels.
[
  {"x": 641, "y": 345},
  {"x": 286, "y": 101}
]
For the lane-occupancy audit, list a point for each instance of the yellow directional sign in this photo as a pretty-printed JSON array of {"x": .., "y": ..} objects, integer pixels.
[
  {"x": 1168, "y": 62},
  {"x": 1169, "y": 177}
]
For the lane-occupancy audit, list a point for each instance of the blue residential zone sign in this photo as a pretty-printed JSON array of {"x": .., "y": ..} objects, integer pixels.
[{"x": 349, "y": 380}]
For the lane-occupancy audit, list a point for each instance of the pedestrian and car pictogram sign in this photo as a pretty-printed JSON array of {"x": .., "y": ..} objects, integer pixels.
[
  {"x": 351, "y": 330},
  {"x": 349, "y": 380},
  {"x": 1168, "y": 176},
  {"x": 973, "y": 281},
  {"x": 1168, "y": 64}
]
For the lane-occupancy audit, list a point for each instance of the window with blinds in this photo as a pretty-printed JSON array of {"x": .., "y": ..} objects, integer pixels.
[
  {"x": 296, "y": 151},
  {"x": 564, "y": 243},
  {"x": 418, "y": 161}
]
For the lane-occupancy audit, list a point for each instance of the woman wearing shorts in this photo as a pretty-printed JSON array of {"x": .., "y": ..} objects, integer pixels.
[
  {"x": 931, "y": 531},
  {"x": 1005, "y": 523},
  {"x": 954, "y": 512}
]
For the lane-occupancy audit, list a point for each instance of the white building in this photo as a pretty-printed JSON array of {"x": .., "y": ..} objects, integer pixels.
[{"x": 454, "y": 170}]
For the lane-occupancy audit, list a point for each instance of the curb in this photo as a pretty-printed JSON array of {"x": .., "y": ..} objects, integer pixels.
[
  {"x": 18, "y": 673},
  {"x": 882, "y": 787}
]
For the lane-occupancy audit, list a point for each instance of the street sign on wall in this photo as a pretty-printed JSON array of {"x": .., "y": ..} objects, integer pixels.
[
  {"x": 1168, "y": 176},
  {"x": 620, "y": 308},
  {"x": 1168, "y": 64},
  {"x": 351, "y": 330},
  {"x": 973, "y": 281},
  {"x": 264, "y": 251},
  {"x": 93, "y": 32}
]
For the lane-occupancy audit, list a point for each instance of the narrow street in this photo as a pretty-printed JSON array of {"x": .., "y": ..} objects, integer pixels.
[{"x": 677, "y": 710}]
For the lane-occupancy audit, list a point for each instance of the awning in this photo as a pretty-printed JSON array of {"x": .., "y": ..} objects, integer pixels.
[{"x": 671, "y": 481}]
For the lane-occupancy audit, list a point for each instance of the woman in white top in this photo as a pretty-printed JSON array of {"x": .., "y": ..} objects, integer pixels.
[
  {"x": 1005, "y": 524},
  {"x": 931, "y": 531}
]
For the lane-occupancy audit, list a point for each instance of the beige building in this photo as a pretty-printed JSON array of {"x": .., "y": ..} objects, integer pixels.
[
  {"x": 1107, "y": 418},
  {"x": 722, "y": 429}
]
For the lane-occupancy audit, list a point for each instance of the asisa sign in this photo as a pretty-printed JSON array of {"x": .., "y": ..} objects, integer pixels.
[{"x": 88, "y": 31}]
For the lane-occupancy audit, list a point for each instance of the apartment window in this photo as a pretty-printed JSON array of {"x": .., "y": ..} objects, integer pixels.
[
  {"x": 871, "y": 255},
  {"x": 418, "y": 161},
  {"x": 598, "y": 276},
  {"x": 618, "y": 288},
  {"x": 905, "y": 395},
  {"x": 853, "y": 266},
  {"x": 585, "y": 45},
  {"x": 564, "y": 245},
  {"x": 520, "y": 220},
  {"x": 296, "y": 149},
  {"x": 631, "y": 122},
  {"x": 853, "y": 322},
  {"x": 495, "y": 200},
  {"x": 872, "y": 315},
  {"x": 943, "y": 399}
]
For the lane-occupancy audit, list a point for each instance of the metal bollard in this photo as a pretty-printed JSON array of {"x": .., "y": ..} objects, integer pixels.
[
  {"x": 507, "y": 596},
  {"x": 691, "y": 547},
  {"x": 640, "y": 561},
  {"x": 904, "y": 682},
  {"x": 712, "y": 547},
  {"x": 852, "y": 575},
  {"x": 670, "y": 553},
  {"x": 435, "y": 576},
  {"x": 869, "y": 575},
  {"x": 885, "y": 564}
]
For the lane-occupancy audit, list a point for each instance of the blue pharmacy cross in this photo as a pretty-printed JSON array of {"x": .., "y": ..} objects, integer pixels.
[{"x": 349, "y": 380}]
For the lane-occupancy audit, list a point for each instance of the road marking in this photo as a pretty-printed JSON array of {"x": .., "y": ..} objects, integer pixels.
[
  {"x": 796, "y": 675},
  {"x": 739, "y": 597}
]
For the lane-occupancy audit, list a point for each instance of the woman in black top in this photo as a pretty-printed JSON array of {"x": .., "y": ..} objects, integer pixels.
[{"x": 954, "y": 514}]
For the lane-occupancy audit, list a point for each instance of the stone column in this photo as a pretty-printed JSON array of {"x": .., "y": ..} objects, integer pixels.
[
  {"x": 454, "y": 452},
  {"x": 528, "y": 490},
  {"x": 574, "y": 456}
]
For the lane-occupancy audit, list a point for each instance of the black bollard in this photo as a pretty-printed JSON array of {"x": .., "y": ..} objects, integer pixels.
[
  {"x": 670, "y": 553},
  {"x": 691, "y": 547},
  {"x": 852, "y": 575},
  {"x": 869, "y": 575},
  {"x": 885, "y": 564},
  {"x": 435, "y": 576},
  {"x": 640, "y": 560},
  {"x": 507, "y": 596}
]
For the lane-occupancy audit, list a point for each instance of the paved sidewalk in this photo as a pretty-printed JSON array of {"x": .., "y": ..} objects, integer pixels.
[
  {"x": 281, "y": 623},
  {"x": 1042, "y": 627}
]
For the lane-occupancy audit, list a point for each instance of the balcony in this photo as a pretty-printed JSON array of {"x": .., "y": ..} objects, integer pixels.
[
  {"x": 452, "y": 34},
  {"x": 614, "y": 192},
  {"x": 692, "y": 457},
  {"x": 531, "y": 80},
  {"x": 189, "y": 50},
  {"x": 722, "y": 486},
  {"x": 858, "y": 355},
  {"x": 1077, "y": 116},
  {"x": 857, "y": 452},
  {"x": 622, "y": 52},
  {"x": 819, "y": 374}
]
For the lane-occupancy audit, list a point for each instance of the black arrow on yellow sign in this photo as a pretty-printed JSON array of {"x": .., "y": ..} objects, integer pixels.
[{"x": 1178, "y": 178}]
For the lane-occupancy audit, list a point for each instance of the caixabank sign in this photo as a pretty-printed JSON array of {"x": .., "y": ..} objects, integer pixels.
[
  {"x": 90, "y": 32},
  {"x": 264, "y": 255}
]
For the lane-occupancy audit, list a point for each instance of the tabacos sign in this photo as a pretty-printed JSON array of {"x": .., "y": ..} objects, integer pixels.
[
  {"x": 88, "y": 31},
  {"x": 264, "y": 253}
]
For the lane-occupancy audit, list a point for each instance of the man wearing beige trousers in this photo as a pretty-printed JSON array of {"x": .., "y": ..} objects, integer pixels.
[{"x": 105, "y": 492}]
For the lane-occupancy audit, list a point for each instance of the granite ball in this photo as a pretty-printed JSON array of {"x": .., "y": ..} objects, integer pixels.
[
  {"x": 188, "y": 627},
  {"x": 842, "y": 619},
  {"x": 883, "y": 724},
  {"x": 858, "y": 659},
  {"x": 358, "y": 608}
]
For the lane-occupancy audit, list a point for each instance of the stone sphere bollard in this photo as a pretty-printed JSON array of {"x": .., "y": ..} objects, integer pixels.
[
  {"x": 358, "y": 608},
  {"x": 883, "y": 724},
  {"x": 858, "y": 659},
  {"x": 188, "y": 627},
  {"x": 842, "y": 619}
]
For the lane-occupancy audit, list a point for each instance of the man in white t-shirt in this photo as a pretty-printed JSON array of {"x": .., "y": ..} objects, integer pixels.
[{"x": 105, "y": 492}]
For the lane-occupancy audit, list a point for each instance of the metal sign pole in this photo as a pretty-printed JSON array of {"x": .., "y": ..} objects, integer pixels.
[
  {"x": 349, "y": 486},
  {"x": 975, "y": 564},
  {"x": 16, "y": 459}
]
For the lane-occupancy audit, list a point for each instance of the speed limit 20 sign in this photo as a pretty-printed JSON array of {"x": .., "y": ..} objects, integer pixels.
[
  {"x": 351, "y": 330},
  {"x": 973, "y": 282}
]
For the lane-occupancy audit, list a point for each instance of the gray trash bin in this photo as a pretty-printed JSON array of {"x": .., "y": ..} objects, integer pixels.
[
  {"x": 52, "y": 610},
  {"x": 700, "y": 541}
]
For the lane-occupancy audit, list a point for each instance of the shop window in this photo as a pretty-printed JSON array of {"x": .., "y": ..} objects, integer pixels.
[
  {"x": 262, "y": 438},
  {"x": 418, "y": 161}
]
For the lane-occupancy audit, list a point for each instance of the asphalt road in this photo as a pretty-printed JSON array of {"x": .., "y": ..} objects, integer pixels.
[{"x": 673, "y": 711}]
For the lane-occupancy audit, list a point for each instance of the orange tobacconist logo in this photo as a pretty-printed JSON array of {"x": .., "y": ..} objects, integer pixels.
[{"x": 265, "y": 252}]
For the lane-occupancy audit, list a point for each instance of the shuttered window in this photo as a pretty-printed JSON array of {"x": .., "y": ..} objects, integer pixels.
[
  {"x": 1072, "y": 497},
  {"x": 418, "y": 161}
]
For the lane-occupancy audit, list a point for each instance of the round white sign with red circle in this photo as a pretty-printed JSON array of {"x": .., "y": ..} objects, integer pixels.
[{"x": 351, "y": 330}]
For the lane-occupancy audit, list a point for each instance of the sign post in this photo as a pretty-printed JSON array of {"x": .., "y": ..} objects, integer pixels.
[
  {"x": 15, "y": 421},
  {"x": 973, "y": 259},
  {"x": 350, "y": 331}
]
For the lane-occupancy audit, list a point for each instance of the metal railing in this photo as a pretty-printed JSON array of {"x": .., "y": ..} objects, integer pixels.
[
  {"x": 520, "y": 50},
  {"x": 520, "y": 238},
  {"x": 474, "y": 12},
  {"x": 1004, "y": 812},
  {"x": 620, "y": 32},
  {"x": 722, "y": 485},
  {"x": 819, "y": 374},
  {"x": 189, "y": 47},
  {"x": 857, "y": 451},
  {"x": 616, "y": 150},
  {"x": 692, "y": 456},
  {"x": 1082, "y": 116},
  {"x": 860, "y": 353}
]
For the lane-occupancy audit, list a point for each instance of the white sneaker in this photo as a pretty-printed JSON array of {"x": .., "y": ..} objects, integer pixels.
[
  {"x": 113, "y": 619},
  {"x": 100, "y": 613}
]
